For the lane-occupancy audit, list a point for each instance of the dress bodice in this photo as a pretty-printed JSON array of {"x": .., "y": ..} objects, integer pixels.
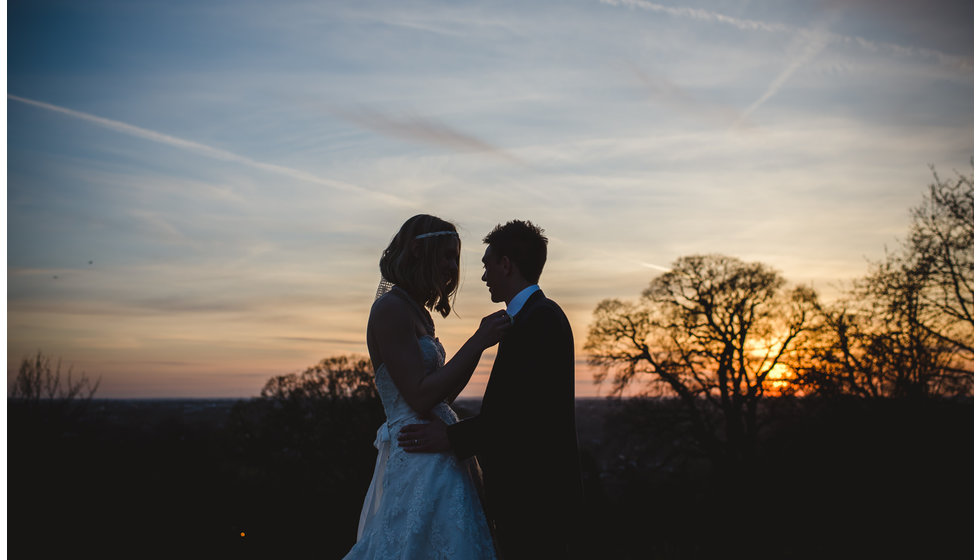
[
  {"x": 396, "y": 409},
  {"x": 419, "y": 505}
]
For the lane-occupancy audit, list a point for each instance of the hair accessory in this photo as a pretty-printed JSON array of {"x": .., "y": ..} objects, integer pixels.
[{"x": 436, "y": 233}]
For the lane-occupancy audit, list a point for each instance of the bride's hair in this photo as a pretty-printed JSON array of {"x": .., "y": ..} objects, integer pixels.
[{"x": 411, "y": 261}]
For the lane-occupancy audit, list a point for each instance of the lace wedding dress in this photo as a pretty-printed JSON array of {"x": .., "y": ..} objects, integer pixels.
[{"x": 419, "y": 505}]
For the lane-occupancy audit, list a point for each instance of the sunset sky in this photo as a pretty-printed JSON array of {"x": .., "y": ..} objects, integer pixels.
[{"x": 198, "y": 191}]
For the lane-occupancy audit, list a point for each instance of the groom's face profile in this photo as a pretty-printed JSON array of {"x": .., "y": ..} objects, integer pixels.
[{"x": 494, "y": 274}]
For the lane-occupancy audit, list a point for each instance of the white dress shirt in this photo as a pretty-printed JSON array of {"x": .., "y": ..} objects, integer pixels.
[{"x": 518, "y": 301}]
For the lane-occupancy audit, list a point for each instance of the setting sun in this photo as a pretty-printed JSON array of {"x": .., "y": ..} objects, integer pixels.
[{"x": 779, "y": 380}]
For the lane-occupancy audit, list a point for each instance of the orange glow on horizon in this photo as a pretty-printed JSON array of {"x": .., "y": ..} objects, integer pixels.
[{"x": 779, "y": 381}]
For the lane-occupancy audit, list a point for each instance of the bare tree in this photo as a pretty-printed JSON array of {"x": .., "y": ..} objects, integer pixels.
[
  {"x": 906, "y": 328},
  {"x": 941, "y": 242},
  {"x": 38, "y": 381},
  {"x": 714, "y": 331},
  {"x": 844, "y": 355}
]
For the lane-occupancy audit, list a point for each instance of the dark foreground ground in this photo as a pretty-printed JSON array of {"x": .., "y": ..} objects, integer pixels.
[{"x": 227, "y": 479}]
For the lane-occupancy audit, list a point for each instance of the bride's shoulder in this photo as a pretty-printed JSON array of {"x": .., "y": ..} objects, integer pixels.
[{"x": 389, "y": 307}]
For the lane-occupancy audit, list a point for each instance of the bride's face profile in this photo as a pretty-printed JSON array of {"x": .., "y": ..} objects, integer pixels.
[{"x": 449, "y": 263}]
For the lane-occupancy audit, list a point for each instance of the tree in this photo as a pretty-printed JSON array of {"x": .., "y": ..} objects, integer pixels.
[
  {"x": 302, "y": 420},
  {"x": 906, "y": 328},
  {"x": 941, "y": 243},
  {"x": 845, "y": 355},
  {"x": 40, "y": 386},
  {"x": 308, "y": 416},
  {"x": 305, "y": 442},
  {"x": 714, "y": 331},
  {"x": 339, "y": 377}
]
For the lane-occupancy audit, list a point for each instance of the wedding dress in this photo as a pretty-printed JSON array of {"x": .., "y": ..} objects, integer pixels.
[{"x": 419, "y": 505}]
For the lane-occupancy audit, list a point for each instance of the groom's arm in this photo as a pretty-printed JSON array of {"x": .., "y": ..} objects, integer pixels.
[{"x": 466, "y": 437}]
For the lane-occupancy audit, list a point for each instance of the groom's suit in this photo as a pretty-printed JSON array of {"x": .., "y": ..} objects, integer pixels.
[{"x": 524, "y": 436}]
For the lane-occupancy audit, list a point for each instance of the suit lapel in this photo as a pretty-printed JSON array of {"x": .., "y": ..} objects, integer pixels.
[
  {"x": 506, "y": 359},
  {"x": 533, "y": 299}
]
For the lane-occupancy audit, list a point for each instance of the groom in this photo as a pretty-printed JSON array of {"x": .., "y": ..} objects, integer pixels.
[{"x": 524, "y": 435}]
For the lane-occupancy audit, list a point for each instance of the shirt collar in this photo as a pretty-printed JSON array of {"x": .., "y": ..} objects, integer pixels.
[{"x": 518, "y": 301}]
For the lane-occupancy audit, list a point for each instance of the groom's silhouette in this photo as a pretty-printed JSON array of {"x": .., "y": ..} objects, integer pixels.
[{"x": 524, "y": 435}]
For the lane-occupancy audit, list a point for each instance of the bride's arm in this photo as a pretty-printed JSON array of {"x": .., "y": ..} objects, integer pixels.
[
  {"x": 393, "y": 327},
  {"x": 459, "y": 388}
]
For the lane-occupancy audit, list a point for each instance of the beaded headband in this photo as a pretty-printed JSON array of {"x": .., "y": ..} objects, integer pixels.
[{"x": 436, "y": 233}]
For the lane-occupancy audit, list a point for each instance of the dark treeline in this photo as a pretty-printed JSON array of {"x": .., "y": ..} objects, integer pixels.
[
  {"x": 283, "y": 475},
  {"x": 842, "y": 477},
  {"x": 775, "y": 425}
]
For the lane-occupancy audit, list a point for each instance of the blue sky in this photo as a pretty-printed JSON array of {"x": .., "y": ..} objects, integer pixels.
[{"x": 198, "y": 192}]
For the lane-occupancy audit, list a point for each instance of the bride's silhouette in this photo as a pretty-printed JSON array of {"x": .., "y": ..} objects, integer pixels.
[{"x": 421, "y": 505}]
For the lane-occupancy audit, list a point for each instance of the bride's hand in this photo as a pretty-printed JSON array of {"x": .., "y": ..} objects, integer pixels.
[{"x": 492, "y": 328}]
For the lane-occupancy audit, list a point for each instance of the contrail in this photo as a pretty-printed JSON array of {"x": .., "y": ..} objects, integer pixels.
[
  {"x": 957, "y": 62},
  {"x": 630, "y": 260},
  {"x": 817, "y": 42},
  {"x": 699, "y": 14},
  {"x": 215, "y": 153},
  {"x": 653, "y": 266}
]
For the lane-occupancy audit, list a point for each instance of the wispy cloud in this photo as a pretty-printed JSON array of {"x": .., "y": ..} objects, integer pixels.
[
  {"x": 426, "y": 130},
  {"x": 669, "y": 93},
  {"x": 160, "y": 227},
  {"x": 959, "y": 63},
  {"x": 215, "y": 153},
  {"x": 449, "y": 20},
  {"x": 319, "y": 340}
]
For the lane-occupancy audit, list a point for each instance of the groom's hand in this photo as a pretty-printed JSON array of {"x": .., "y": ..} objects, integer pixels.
[{"x": 424, "y": 438}]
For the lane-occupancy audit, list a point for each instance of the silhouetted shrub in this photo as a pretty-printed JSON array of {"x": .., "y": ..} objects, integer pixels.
[
  {"x": 41, "y": 394},
  {"x": 303, "y": 456}
]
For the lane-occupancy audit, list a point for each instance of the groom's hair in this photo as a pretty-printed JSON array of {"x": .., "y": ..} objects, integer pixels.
[{"x": 523, "y": 243}]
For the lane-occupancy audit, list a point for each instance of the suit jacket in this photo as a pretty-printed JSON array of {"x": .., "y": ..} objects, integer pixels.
[{"x": 524, "y": 435}]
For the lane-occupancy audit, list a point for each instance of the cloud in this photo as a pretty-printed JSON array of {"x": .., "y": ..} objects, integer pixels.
[
  {"x": 958, "y": 63},
  {"x": 340, "y": 341},
  {"x": 426, "y": 131},
  {"x": 215, "y": 153},
  {"x": 449, "y": 20},
  {"x": 680, "y": 99}
]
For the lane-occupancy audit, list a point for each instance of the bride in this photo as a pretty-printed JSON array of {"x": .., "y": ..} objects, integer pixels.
[{"x": 421, "y": 505}]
